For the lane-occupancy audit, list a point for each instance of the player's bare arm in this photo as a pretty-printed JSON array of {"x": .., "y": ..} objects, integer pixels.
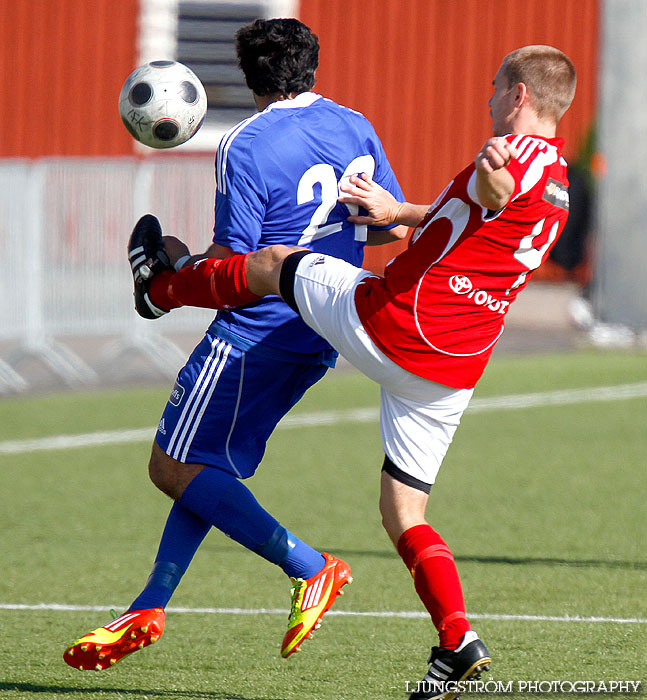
[
  {"x": 382, "y": 207},
  {"x": 382, "y": 236},
  {"x": 494, "y": 184}
]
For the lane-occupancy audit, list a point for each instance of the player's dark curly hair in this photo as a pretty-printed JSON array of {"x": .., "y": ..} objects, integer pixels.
[{"x": 277, "y": 56}]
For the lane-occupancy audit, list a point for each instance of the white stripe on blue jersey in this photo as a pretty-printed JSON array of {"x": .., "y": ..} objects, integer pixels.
[
  {"x": 302, "y": 100},
  {"x": 304, "y": 145},
  {"x": 223, "y": 148}
]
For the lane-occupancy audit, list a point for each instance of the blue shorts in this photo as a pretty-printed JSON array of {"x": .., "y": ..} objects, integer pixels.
[{"x": 226, "y": 402}]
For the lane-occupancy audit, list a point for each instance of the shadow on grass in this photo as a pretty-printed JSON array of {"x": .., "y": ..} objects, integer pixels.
[
  {"x": 134, "y": 692},
  {"x": 518, "y": 561},
  {"x": 550, "y": 561}
]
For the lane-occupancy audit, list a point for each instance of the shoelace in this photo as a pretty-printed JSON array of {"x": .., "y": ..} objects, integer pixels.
[{"x": 296, "y": 594}]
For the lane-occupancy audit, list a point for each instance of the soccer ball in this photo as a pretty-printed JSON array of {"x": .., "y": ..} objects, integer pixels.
[{"x": 162, "y": 104}]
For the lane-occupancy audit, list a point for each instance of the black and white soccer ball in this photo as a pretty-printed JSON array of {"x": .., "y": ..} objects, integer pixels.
[{"x": 162, "y": 104}]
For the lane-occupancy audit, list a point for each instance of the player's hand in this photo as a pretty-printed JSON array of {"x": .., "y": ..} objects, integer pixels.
[
  {"x": 175, "y": 248},
  {"x": 495, "y": 154},
  {"x": 381, "y": 206}
]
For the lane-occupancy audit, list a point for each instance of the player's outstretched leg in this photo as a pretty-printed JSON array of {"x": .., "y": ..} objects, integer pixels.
[
  {"x": 147, "y": 258},
  {"x": 107, "y": 645},
  {"x": 311, "y": 598},
  {"x": 210, "y": 283},
  {"x": 450, "y": 667}
]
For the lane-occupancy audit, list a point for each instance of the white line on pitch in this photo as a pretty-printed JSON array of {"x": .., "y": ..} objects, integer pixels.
[
  {"x": 619, "y": 392},
  {"x": 339, "y": 613}
]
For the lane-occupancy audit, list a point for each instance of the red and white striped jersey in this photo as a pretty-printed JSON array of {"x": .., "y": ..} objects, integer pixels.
[{"x": 440, "y": 308}]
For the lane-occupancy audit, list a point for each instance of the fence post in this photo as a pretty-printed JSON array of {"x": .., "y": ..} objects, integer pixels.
[
  {"x": 36, "y": 342},
  {"x": 142, "y": 337},
  {"x": 619, "y": 291}
]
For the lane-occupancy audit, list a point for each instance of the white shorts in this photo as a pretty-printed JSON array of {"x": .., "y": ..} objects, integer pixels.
[{"x": 418, "y": 418}]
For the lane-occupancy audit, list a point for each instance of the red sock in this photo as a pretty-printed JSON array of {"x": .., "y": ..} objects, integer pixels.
[
  {"x": 436, "y": 580},
  {"x": 210, "y": 283}
]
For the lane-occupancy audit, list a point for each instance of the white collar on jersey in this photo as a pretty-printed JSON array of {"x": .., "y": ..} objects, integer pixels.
[{"x": 303, "y": 99}]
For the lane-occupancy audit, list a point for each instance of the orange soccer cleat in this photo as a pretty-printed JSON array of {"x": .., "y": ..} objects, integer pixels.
[
  {"x": 311, "y": 598},
  {"x": 109, "y": 644}
]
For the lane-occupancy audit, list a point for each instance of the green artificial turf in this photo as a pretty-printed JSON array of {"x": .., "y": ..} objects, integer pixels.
[{"x": 543, "y": 507}]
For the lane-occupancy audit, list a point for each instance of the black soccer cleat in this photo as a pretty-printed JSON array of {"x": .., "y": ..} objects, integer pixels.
[
  {"x": 448, "y": 668},
  {"x": 147, "y": 258}
]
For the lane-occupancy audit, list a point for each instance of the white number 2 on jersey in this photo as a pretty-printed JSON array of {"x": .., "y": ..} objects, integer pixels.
[{"x": 324, "y": 174}]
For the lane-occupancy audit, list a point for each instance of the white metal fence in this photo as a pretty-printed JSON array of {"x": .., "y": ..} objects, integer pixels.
[{"x": 64, "y": 275}]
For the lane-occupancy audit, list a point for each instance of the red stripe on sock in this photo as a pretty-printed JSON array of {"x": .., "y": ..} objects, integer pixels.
[
  {"x": 436, "y": 550},
  {"x": 436, "y": 579}
]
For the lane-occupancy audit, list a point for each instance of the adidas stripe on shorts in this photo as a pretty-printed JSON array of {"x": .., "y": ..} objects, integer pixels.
[{"x": 225, "y": 404}]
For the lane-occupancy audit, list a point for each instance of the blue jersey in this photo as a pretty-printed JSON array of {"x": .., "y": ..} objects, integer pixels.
[{"x": 278, "y": 174}]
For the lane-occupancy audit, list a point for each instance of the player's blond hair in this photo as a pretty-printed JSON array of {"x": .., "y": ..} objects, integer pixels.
[{"x": 549, "y": 76}]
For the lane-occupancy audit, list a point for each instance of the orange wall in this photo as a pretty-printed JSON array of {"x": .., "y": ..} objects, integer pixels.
[
  {"x": 421, "y": 71},
  {"x": 62, "y": 64}
]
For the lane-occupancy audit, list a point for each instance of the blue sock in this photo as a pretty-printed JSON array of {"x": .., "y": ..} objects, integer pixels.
[
  {"x": 183, "y": 534},
  {"x": 301, "y": 560},
  {"x": 295, "y": 557},
  {"x": 221, "y": 499}
]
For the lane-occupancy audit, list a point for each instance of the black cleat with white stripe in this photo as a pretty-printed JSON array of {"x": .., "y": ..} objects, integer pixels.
[
  {"x": 450, "y": 667},
  {"x": 147, "y": 258}
]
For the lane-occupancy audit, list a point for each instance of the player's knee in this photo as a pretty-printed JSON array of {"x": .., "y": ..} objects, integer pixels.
[
  {"x": 278, "y": 253},
  {"x": 170, "y": 476},
  {"x": 264, "y": 268},
  {"x": 159, "y": 472}
]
